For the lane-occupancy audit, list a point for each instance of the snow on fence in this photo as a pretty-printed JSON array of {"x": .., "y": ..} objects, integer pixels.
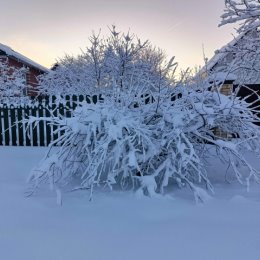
[{"x": 15, "y": 132}]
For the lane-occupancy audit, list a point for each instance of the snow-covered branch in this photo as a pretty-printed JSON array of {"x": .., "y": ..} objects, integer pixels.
[
  {"x": 12, "y": 83},
  {"x": 149, "y": 132},
  {"x": 245, "y": 11},
  {"x": 148, "y": 148},
  {"x": 120, "y": 61}
]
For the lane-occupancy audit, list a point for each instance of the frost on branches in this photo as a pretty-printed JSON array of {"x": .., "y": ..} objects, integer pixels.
[
  {"x": 245, "y": 12},
  {"x": 149, "y": 145},
  {"x": 151, "y": 133},
  {"x": 120, "y": 61},
  {"x": 12, "y": 83},
  {"x": 243, "y": 53}
]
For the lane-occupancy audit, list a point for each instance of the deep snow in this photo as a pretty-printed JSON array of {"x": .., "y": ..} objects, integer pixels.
[{"x": 120, "y": 226}]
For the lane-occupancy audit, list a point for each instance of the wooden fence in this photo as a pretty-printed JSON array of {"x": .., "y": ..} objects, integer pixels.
[{"x": 16, "y": 132}]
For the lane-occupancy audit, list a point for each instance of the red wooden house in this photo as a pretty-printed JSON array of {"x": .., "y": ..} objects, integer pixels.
[{"x": 17, "y": 60}]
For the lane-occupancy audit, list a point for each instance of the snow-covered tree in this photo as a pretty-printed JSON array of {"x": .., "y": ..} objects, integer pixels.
[
  {"x": 245, "y": 12},
  {"x": 12, "y": 83},
  {"x": 119, "y": 61},
  {"x": 242, "y": 54}
]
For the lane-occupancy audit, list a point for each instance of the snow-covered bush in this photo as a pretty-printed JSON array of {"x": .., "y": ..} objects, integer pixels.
[
  {"x": 150, "y": 133},
  {"x": 106, "y": 145},
  {"x": 12, "y": 83},
  {"x": 149, "y": 146}
]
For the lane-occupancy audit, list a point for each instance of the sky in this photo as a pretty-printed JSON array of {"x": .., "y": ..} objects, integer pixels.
[{"x": 45, "y": 30}]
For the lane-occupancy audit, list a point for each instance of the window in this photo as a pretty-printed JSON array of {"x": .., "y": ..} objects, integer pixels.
[{"x": 226, "y": 89}]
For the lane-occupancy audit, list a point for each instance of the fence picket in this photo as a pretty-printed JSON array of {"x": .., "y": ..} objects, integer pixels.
[
  {"x": 38, "y": 129},
  {"x": 9, "y": 127},
  {"x": 30, "y": 130},
  {"x": 17, "y": 127},
  {"x": 44, "y": 128},
  {"x": 2, "y": 128},
  {"x": 15, "y": 131}
]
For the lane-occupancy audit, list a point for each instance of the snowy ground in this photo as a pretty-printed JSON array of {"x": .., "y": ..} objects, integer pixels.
[{"x": 119, "y": 226}]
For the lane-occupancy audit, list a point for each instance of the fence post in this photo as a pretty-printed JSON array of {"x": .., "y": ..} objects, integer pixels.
[
  {"x": 16, "y": 127},
  {"x": 9, "y": 127},
  {"x": 2, "y": 127}
]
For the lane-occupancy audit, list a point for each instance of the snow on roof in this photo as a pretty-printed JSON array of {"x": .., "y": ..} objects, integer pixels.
[
  {"x": 220, "y": 54},
  {"x": 10, "y": 52},
  {"x": 223, "y": 76}
]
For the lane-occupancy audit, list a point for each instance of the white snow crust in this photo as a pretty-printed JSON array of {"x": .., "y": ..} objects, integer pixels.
[{"x": 121, "y": 226}]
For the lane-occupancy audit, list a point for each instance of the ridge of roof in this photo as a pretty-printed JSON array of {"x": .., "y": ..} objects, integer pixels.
[
  {"x": 221, "y": 53},
  {"x": 10, "y": 52}
]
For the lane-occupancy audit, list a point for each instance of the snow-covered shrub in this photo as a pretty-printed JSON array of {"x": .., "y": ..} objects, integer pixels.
[
  {"x": 12, "y": 83},
  {"x": 104, "y": 145},
  {"x": 149, "y": 146},
  {"x": 150, "y": 131},
  {"x": 236, "y": 118}
]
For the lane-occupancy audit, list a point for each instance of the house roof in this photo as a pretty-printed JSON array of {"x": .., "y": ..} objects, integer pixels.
[
  {"x": 221, "y": 54},
  {"x": 222, "y": 77},
  {"x": 11, "y": 53},
  {"x": 238, "y": 58}
]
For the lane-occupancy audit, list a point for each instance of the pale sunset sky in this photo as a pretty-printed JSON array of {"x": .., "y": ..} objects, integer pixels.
[{"x": 45, "y": 30}]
